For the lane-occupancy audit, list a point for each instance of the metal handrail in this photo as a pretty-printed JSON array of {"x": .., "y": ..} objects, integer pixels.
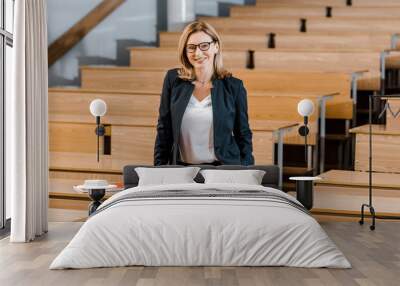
[{"x": 8, "y": 36}]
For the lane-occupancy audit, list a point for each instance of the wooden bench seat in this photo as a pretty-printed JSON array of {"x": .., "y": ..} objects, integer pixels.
[
  {"x": 385, "y": 149},
  {"x": 342, "y": 191},
  {"x": 137, "y": 80}
]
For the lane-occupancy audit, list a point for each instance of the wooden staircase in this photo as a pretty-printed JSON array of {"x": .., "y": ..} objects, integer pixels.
[{"x": 298, "y": 65}]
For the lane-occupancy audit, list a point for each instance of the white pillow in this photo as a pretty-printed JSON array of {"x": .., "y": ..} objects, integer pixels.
[
  {"x": 163, "y": 176},
  {"x": 248, "y": 177}
]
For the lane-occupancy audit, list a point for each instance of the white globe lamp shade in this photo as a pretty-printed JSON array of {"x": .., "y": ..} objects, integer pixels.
[
  {"x": 305, "y": 107},
  {"x": 98, "y": 107}
]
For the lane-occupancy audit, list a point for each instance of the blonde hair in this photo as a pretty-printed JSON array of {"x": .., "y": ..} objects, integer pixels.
[{"x": 186, "y": 71}]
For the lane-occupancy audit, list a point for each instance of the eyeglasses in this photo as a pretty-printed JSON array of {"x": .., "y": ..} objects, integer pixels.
[{"x": 204, "y": 46}]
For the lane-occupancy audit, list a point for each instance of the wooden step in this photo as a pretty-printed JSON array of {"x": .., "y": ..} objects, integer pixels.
[
  {"x": 62, "y": 195},
  {"x": 385, "y": 149},
  {"x": 256, "y": 81},
  {"x": 269, "y": 24},
  {"x": 289, "y": 187},
  {"x": 346, "y": 191},
  {"x": 129, "y": 145},
  {"x": 336, "y": 3},
  {"x": 137, "y": 108},
  {"x": 294, "y": 41},
  {"x": 363, "y": 111},
  {"x": 273, "y": 60},
  {"x": 122, "y": 79},
  {"x": 337, "y": 137},
  {"x": 81, "y": 175},
  {"x": 296, "y": 171},
  {"x": 300, "y": 10},
  {"x": 314, "y": 3},
  {"x": 73, "y": 142},
  {"x": 339, "y": 192},
  {"x": 259, "y": 80},
  {"x": 151, "y": 57},
  {"x": 230, "y": 40},
  {"x": 123, "y": 108}
]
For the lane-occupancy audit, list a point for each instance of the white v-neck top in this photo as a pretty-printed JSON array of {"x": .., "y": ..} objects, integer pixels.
[{"x": 197, "y": 134}]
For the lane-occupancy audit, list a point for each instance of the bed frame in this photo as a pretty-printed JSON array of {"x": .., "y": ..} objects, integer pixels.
[{"x": 270, "y": 179}]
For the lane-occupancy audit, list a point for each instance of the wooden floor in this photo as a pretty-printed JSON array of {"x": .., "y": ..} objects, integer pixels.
[{"x": 375, "y": 257}]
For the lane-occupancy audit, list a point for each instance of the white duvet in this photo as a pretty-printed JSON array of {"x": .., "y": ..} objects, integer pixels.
[{"x": 200, "y": 231}]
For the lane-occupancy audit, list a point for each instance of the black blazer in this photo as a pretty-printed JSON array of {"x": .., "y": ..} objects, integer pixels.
[{"x": 232, "y": 134}]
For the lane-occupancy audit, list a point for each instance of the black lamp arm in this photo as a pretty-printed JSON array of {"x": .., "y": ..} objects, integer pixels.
[
  {"x": 303, "y": 131},
  {"x": 99, "y": 131}
]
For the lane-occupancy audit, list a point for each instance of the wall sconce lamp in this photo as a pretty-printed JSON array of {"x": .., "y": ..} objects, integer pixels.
[
  {"x": 98, "y": 108},
  {"x": 305, "y": 108}
]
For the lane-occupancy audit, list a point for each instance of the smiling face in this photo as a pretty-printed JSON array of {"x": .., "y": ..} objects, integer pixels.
[{"x": 199, "y": 53}]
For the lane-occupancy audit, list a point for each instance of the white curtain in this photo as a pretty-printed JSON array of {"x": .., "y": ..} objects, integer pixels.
[{"x": 26, "y": 123}]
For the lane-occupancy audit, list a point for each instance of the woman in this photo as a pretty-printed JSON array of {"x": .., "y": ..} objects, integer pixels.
[{"x": 203, "y": 109}]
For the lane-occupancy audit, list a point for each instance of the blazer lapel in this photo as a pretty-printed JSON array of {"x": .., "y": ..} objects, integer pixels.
[
  {"x": 180, "y": 106},
  {"x": 215, "y": 105}
]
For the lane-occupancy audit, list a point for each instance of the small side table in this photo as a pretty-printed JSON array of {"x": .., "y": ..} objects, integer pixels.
[
  {"x": 304, "y": 190},
  {"x": 98, "y": 194}
]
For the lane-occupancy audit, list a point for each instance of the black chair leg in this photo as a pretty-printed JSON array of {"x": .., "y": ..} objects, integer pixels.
[
  {"x": 347, "y": 154},
  {"x": 340, "y": 155}
]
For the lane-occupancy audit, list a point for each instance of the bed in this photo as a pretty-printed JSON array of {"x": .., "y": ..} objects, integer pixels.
[{"x": 197, "y": 224}]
